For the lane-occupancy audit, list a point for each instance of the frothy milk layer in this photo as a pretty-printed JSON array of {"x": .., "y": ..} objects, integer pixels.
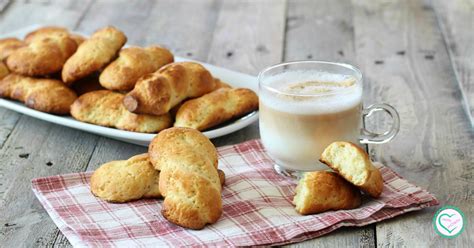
[{"x": 311, "y": 92}]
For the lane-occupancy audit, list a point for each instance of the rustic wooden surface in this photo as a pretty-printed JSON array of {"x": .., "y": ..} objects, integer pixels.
[{"x": 416, "y": 55}]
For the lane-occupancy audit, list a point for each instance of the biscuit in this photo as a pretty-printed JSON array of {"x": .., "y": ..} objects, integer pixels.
[
  {"x": 159, "y": 92},
  {"x": 321, "y": 191},
  {"x": 133, "y": 63},
  {"x": 42, "y": 56},
  {"x": 189, "y": 179},
  {"x": 9, "y": 45},
  {"x": 49, "y": 31},
  {"x": 216, "y": 107},
  {"x": 93, "y": 54},
  {"x": 45, "y": 32},
  {"x": 3, "y": 70},
  {"x": 220, "y": 84},
  {"x": 126, "y": 180},
  {"x": 79, "y": 39},
  {"x": 353, "y": 163},
  {"x": 46, "y": 95},
  {"x": 104, "y": 107}
]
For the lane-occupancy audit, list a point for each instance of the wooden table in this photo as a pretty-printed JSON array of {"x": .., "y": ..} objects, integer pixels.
[{"x": 416, "y": 55}]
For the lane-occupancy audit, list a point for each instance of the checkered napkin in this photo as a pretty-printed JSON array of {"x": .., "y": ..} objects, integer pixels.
[{"x": 257, "y": 208}]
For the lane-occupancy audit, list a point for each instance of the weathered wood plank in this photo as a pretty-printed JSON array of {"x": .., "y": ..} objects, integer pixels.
[
  {"x": 4, "y": 4},
  {"x": 248, "y": 37},
  {"x": 320, "y": 30},
  {"x": 456, "y": 19},
  {"x": 23, "y": 221},
  {"x": 34, "y": 149},
  {"x": 402, "y": 54},
  {"x": 8, "y": 120},
  {"x": 21, "y": 14},
  {"x": 323, "y": 30},
  {"x": 187, "y": 31}
]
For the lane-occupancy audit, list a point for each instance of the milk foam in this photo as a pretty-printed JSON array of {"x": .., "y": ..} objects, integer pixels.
[{"x": 311, "y": 92}]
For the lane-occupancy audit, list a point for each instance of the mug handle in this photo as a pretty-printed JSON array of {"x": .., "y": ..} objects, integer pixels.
[{"x": 367, "y": 137}]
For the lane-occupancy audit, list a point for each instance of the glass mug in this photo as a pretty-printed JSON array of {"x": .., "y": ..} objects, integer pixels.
[{"x": 306, "y": 105}]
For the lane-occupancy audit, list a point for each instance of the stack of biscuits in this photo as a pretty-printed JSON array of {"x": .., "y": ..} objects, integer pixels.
[
  {"x": 320, "y": 191},
  {"x": 180, "y": 166},
  {"x": 96, "y": 80}
]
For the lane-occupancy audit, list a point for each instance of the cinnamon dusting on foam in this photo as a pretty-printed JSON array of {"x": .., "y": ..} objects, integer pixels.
[{"x": 310, "y": 89}]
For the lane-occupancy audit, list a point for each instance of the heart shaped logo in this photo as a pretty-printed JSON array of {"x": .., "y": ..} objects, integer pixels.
[
  {"x": 449, "y": 221},
  {"x": 446, "y": 222}
]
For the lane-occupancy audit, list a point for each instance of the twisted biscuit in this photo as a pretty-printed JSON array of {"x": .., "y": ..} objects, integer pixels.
[
  {"x": 126, "y": 180},
  {"x": 189, "y": 179},
  {"x": 132, "y": 63},
  {"x": 3, "y": 70},
  {"x": 49, "y": 31},
  {"x": 45, "y": 95},
  {"x": 215, "y": 108},
  {"x": 45, "y": 32},
  {"x": 42, "y": 56},
  {"x": 220, "y": 84},
  {"x": 158, "y": 92},
  {"x": 93, "y": 54},
  {"x": 9, "y": 45},
  {"x": 104, "y": 107}
]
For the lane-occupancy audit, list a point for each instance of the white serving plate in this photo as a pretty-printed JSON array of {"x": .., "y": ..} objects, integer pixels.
[{"x": 236, "y": 79}]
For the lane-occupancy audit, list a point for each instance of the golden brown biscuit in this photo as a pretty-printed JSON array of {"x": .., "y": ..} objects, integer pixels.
[
  {"x": 46, "y": 95},
  {"x": 215, "y": 108},
  {"x": 353, "y": 163},
  {"x": 189, "y": 180},
  {"x": 3, "y": 70},
  {"x": 93, "y": 54},
  {"x": 42, "y": 56},
  {"x": 8, "y": 45},
  {"x": 44, "y": 32},
  {"x": 79, "y": 39},
  {"x": 220, "y": 84},
  {"x": 159, "y": 92},
  {"x": 321, "y": 191},
  {"x": 104, "y": 107},
  {"x": 49, "y": 31},
  {"x": 133, "y": 63},
  {"x": 221, "y": 177},
  {"x": 126, "y": 180}
]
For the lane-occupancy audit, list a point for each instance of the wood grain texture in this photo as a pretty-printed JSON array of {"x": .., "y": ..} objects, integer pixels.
[
  {"x": 456, "y": 20},
  {"x": 28, "y": 145},
  {"x": 176, "y": 25},
  {"x": 35, "y": 149},
  {"x": 248, "y": 37},
  {"x": 19, "y": 14},
  {"x": 319, "y": 30},
  {"x": 316, "y": 30},
  {"x": 402, "y": 53}
]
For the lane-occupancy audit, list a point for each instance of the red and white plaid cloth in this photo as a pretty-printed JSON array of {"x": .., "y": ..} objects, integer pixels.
[{"x": 256, "y": 201}]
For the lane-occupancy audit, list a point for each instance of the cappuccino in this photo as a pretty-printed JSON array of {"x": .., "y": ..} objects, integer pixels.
[{"x": 304, "y": 111}]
